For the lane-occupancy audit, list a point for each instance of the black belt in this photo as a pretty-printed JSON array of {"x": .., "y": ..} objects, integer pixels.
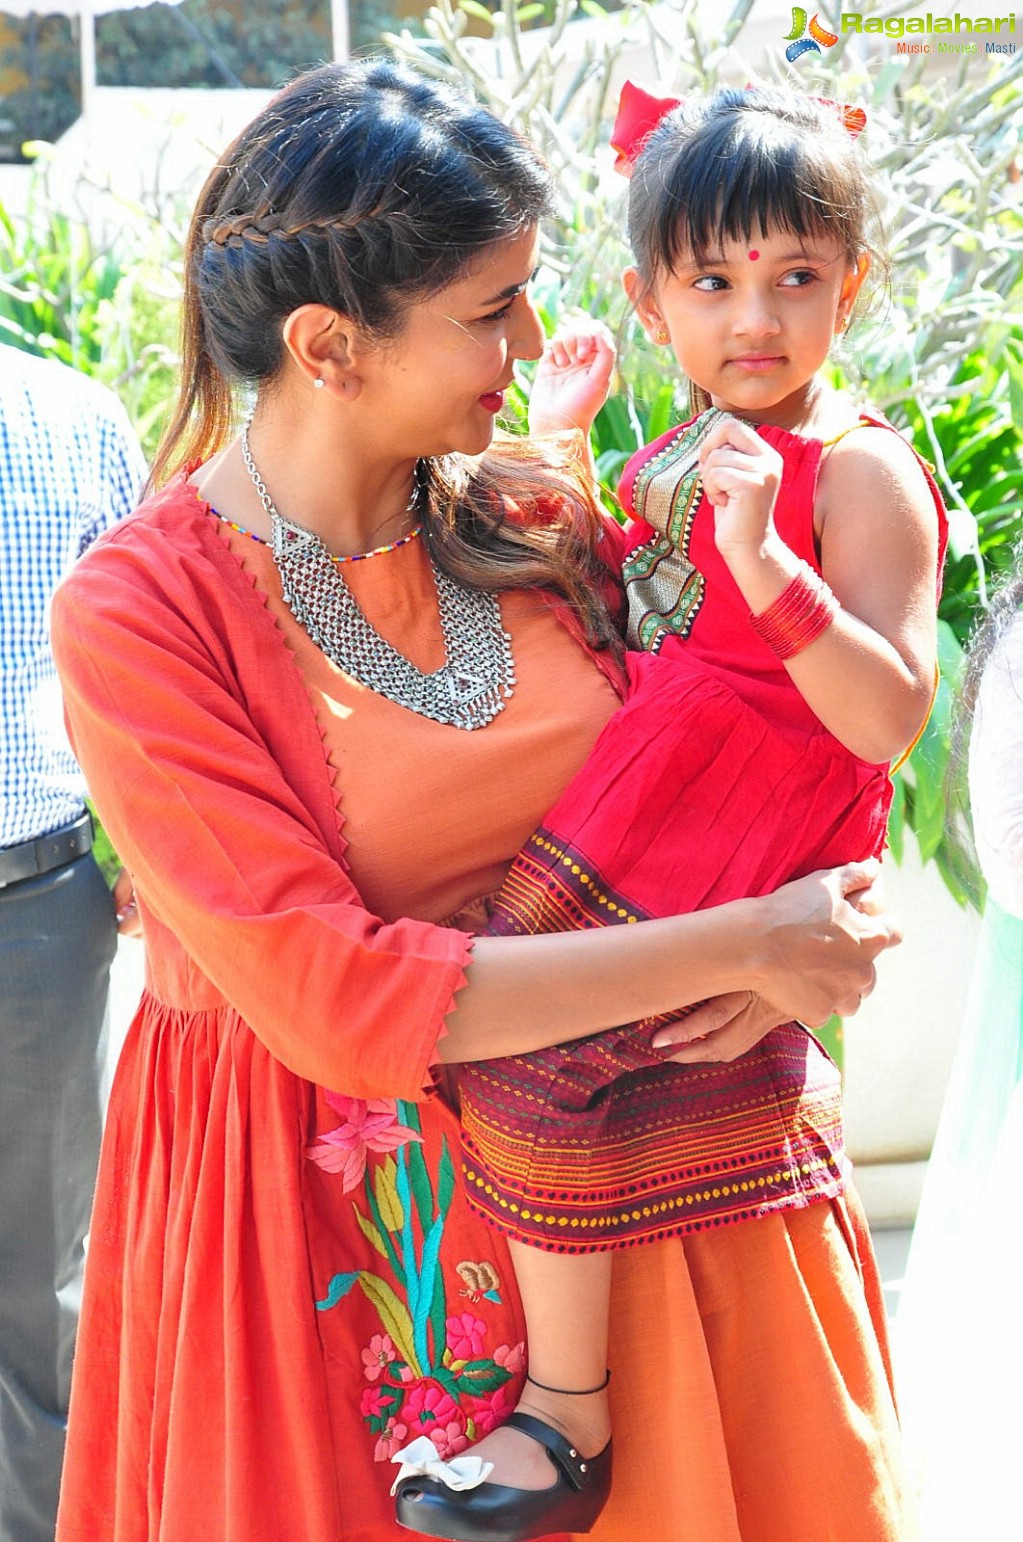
[{"x": 46, "y": 852}]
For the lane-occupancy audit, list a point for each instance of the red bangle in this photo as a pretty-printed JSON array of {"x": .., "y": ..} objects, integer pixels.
[{"x": 803, "y": 610}]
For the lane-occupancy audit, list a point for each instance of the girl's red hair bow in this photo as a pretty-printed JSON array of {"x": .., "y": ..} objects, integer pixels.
[{"x": 639, "y": 113}]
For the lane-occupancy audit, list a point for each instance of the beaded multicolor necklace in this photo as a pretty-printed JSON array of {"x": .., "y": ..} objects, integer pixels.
[
  {"x": 359, "y": 556},
  {"x": 478, "y": 674}
]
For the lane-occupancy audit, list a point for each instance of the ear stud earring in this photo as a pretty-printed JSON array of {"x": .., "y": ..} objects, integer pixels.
[
  {"x": 662, "y": 335},
  {"x": 318, "y": 382}
]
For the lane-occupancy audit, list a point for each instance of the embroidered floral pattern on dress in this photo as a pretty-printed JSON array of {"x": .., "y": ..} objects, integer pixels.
[
  {"x": 368, "y": 1125},
  {"x": 428, "y": 1371}
]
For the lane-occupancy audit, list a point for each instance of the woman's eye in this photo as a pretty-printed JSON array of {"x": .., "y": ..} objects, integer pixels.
[{"x": 497, "y": 315}]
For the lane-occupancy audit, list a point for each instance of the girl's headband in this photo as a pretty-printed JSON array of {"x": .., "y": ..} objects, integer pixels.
[{"x": 639, "y": 113}]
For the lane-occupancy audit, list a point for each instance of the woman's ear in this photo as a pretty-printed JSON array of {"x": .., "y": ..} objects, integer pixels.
[
  {"x": 851, "y": 286},
  {"x": 325, "y": 346},
  {"x": 644, "y": 303}
]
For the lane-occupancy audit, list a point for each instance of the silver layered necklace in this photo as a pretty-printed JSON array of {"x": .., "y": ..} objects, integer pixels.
[{"x": 478, "y": 674}]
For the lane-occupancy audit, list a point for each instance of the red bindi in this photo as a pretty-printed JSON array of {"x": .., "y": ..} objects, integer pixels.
[{"x": 753, "y": 256}]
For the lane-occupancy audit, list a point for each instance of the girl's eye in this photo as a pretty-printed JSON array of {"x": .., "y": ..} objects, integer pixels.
[
  {"x": 799, "y": 278},
  {"x": 710, "y": 283}
]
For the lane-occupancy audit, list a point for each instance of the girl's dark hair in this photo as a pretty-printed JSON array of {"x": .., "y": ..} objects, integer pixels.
[
  {"x": 739, "y": 163},
  {"x": 366, "y": 188}
]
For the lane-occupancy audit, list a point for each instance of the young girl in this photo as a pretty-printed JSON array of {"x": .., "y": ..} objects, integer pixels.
[{"x": 780, "y": 574}]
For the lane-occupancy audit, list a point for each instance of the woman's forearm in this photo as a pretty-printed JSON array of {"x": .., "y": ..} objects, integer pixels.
[{"x": 805, "y": 948}]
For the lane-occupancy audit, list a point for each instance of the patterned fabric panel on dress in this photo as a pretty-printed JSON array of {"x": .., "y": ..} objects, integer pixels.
[{"x": 689, "y": 798}]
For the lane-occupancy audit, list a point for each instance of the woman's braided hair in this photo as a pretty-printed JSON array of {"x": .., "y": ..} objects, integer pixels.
[{"x": 365, "y": 188}]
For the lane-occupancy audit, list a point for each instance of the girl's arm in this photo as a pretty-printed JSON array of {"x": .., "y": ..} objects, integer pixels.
[{"x": 870, "y": 676}]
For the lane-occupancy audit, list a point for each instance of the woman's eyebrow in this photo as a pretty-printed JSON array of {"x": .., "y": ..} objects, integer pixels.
[{"x": 511, "y": 291}]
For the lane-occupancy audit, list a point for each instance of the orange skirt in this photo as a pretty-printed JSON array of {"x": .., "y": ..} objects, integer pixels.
[
  {"x": 752, "y": 1392},
  {"x": 280, "y": 1293}
]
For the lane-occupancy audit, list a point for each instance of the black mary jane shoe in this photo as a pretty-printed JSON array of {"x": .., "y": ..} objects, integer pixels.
[{"x": 493, "y": 1512}]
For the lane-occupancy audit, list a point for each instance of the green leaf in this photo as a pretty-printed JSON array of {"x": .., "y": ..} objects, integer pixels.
[
  {"x": 478, "y": 1377},
  {"x": 394, "y": 1315},
  {"x": 370, "y": 1232}
]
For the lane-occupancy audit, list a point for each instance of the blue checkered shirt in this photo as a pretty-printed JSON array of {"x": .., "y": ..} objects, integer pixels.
[{"x": 70, "y": 465}]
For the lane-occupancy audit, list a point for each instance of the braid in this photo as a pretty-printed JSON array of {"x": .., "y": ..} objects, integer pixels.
[{"x": 258, "y": 229}]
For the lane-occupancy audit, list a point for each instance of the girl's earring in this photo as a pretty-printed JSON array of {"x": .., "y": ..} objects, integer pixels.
[
  {"x": 318, "y": 382},
  {"x": 661, "y": 335}
]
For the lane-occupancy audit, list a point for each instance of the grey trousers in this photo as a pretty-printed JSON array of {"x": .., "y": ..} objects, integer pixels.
[{"x": 57, "y": 940}]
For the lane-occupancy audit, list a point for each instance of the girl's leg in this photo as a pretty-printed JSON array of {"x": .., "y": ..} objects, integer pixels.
[{"x": 566, "y": 1303}]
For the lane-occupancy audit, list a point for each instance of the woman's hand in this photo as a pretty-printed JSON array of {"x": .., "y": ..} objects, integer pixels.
[
  {"x": 822, "y": 938},
  {"x": 573, "y": 377},
  {"x": 722, "y": 1028},
  {"x": 129, "y": 922},
  {"x": 822, "y": 935}
]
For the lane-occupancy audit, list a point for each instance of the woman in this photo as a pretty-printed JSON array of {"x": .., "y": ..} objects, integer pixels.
[{"x": 323, "y": 685}]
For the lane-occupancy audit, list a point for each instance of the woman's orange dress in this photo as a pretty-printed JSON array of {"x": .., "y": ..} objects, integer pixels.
[{"x": 284, "y": 1284}]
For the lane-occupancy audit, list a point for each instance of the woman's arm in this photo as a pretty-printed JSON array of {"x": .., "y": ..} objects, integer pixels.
[
  {"x": 807, "y": 949},
  {"x": 226, "y": 853}
]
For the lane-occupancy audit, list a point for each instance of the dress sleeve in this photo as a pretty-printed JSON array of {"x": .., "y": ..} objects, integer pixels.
[
  {"x": 996, "y": 771},
  {"x": 224, "y": 847}
]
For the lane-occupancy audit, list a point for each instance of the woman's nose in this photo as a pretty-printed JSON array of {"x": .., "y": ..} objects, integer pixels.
[{"x": 528, "y": 339}]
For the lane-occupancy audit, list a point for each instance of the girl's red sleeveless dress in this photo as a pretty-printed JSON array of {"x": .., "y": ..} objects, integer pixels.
[{"x": 713, "y": 781}]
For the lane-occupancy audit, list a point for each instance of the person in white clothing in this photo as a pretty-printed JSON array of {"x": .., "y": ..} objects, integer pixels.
[{"x": 958, "y": 1334}]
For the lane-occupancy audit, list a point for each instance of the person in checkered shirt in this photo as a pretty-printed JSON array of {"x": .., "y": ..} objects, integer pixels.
[{"x": 70, "y": 466}]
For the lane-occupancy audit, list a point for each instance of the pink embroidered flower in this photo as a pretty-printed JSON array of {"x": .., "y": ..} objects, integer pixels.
[
  {"x": 374, "y": 1403},
  {"x": 378, "y": 1356},
  {"x": 492, "y": 1410},
  {"x": 369, "y": 1124},
  {"x": 511, "y": 1357},
  {"x": 431, "y": 1411},
  {"x": 393, "y": 1438},
  {"x": 466, "y": 1336},
  {"x": 449, "y": 1441}
]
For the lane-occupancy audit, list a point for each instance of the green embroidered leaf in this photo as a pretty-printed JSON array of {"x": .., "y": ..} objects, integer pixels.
[
  {"x": 480, "y": 1376},
  {"x": 386, "y": 1195},
  {"x": 392, "y": 1251},
  {"x": 422, "y": 1189},
  {"x": 370, "y": 1232},
  {"x": 445, "y": 1179},
  {"x": 394, "y": 1316},
  {"x": 447, "y": 1381}
]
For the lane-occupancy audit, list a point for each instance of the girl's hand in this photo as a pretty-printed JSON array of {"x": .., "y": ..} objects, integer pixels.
[
  {"x": 572, "y": 378},
  {"x": 741, "y": 477}
]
